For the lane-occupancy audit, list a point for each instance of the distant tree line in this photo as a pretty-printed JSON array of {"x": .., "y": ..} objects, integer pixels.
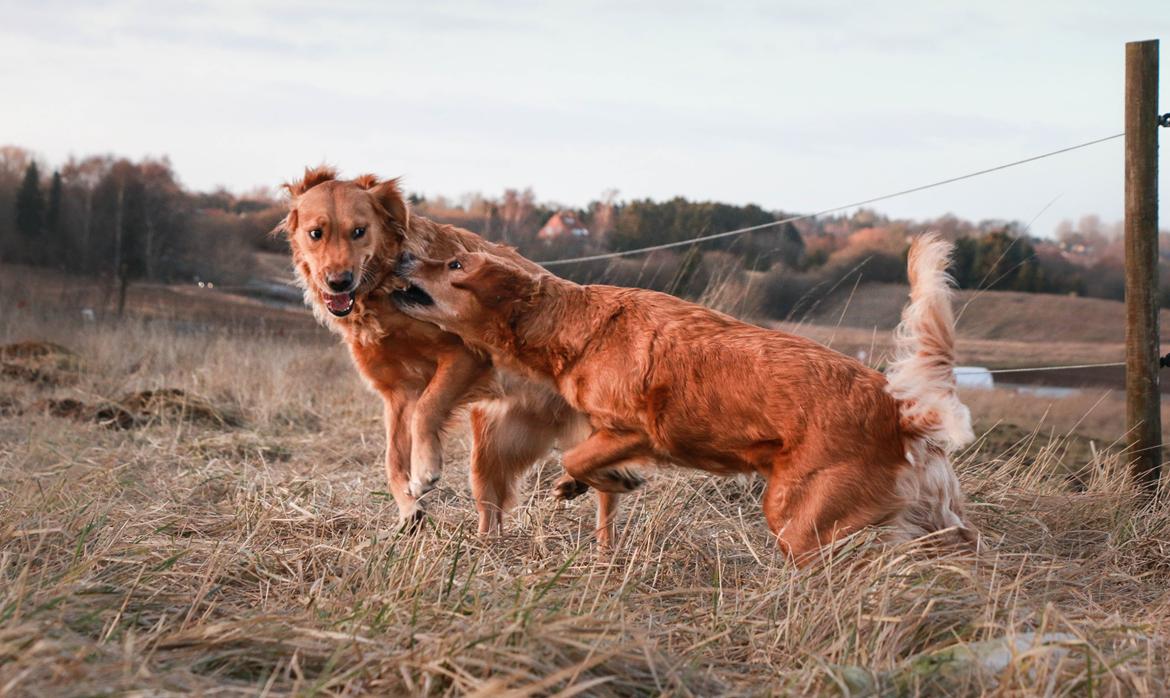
[
  {"x": 126, "y": 221},
  {"x": 796, "y": 263},
  {"x": 645, "y": 223},
  {"x": 122, "y": 220}
]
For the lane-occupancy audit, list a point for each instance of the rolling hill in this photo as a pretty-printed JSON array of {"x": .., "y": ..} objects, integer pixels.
[{"x": 987, "y": 315}]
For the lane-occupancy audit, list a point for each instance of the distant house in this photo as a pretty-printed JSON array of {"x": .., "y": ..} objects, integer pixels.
[{"x": 563, "y": 224}]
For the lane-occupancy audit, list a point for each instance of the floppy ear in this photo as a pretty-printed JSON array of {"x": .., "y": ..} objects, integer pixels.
[
  {"x": 313, "y": 176},
  {"x": 286, "y": 225},
  {"x": 389, "y": 196},
  {"x": 497, "y": 284}
]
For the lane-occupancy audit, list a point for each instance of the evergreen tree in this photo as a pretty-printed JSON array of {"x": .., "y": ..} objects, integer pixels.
[
  {"x": 53, "y": 212},
  {"x": 30, "y": 206}
]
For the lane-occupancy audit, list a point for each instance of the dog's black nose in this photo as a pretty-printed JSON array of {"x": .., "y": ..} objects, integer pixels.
[{"x": 340, "y": 282}]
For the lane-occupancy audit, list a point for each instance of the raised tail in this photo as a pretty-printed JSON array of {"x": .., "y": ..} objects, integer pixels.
[
  {"x": 921, "y": 378},
  {"x": 922, "y": 375}
]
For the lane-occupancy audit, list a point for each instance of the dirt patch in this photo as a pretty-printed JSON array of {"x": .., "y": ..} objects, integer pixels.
[
  {"x": 172, "y": 403},
  {"x": 140, "y": 409},
  {"x": 106, "y": 414},
  {"x": 9, "y": 406},
  {"x": 43, "y": 363},
  {"x": 34, "y": 349}
]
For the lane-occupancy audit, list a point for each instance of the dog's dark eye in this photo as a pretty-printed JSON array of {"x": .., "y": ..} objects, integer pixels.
[
  {"x": 315, "y": 234},
  {"x": 358, "y": 232},
  {"x": 454, "y": 264}
]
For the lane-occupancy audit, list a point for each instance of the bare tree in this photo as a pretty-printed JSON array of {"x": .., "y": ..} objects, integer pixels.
[
  {"x": 82, "y": 177},
  {"x": 603, "y": 215}
]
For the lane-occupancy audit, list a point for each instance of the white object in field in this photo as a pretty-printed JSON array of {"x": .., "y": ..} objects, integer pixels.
[
  {"x": 977, "y": 377},
  {"x": 88, "y": 315}
]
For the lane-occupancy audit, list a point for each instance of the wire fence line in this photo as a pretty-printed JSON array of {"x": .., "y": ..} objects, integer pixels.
[
  {"x": 974, "y": 371},
  {"x": 827, "y": 211},
  {"x": 876, "y": 199},
  {"x": 961, "y": 370}
]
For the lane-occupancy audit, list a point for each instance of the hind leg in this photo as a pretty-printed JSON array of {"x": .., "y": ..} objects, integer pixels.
[
  {"x": 816, "y": 506},
  {"x": 507, "y": 439},
  {"x": 567, "y": 488}
]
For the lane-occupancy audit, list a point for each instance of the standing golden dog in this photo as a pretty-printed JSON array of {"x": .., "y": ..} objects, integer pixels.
[
  {"x": 345, "y": 237},
  {"x": 663, "y": 380}
]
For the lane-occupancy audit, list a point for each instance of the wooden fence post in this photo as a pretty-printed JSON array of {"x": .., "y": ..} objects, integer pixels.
[{"x": 1143, "y": 398}]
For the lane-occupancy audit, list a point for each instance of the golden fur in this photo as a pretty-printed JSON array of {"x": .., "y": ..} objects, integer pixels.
[
  {"x": 422, "y": 373},
  {"x": 663, "y": 380}
]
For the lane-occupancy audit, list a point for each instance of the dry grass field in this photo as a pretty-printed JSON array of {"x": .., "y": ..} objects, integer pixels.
[{"x": 228, "y": 533}]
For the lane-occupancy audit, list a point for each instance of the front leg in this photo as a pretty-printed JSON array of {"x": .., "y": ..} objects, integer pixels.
[
  {"x": 456, "y": 372},
  {"x": 398, "y": 411},
  {"x": 597, "y": 460}
]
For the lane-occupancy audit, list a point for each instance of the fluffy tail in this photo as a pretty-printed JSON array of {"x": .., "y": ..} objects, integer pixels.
[{"x": 921, "y": 378}]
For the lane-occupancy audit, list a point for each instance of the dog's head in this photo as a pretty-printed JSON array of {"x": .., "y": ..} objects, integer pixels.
[
  {"x": 342, "y": 233},
  {"x": 471, "y": 294}
]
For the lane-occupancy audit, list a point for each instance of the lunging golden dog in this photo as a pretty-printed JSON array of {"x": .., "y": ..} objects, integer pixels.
[
  {"x": 663, "y": 380},
  {"x": 345, "y": 237}
]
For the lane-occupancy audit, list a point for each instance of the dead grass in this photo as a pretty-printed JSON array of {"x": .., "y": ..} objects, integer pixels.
[
  {"x": 1097, "y": 414},
  {"x": 261, "y": 557}
]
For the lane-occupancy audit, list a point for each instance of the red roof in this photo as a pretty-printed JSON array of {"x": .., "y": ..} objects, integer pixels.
[{"x": 563, "y": 223}]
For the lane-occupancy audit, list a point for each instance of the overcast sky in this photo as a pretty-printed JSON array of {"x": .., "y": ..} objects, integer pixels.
[{"x": 795, "y": 106}]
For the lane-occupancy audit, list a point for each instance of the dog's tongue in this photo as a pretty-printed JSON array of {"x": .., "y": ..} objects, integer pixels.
[{"x": 337, "y": 302}]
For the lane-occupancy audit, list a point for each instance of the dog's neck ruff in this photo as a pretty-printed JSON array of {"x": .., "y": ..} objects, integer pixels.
[{"x": 528, "y": 337}]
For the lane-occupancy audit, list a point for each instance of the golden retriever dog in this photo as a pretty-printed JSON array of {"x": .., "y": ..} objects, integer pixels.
[
  {"x": 662, "y": 380},
  {"x": 345, "y": 237}
]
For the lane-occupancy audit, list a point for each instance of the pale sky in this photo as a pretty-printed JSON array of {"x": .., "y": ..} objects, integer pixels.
[{"x": 794, "y": 106}]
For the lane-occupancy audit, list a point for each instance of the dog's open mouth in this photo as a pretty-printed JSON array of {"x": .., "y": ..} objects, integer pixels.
[
  {"x": 412, "y": 295},
  {"x": 340, "y": 304}
]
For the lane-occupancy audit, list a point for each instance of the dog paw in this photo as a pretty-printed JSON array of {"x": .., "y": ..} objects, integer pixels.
[
  {"x": 616, "y": 480},
  {"x": 567, "y": 488},
  {"x": 418, "y": 488},
  {"x": 413, "y": 522}
]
